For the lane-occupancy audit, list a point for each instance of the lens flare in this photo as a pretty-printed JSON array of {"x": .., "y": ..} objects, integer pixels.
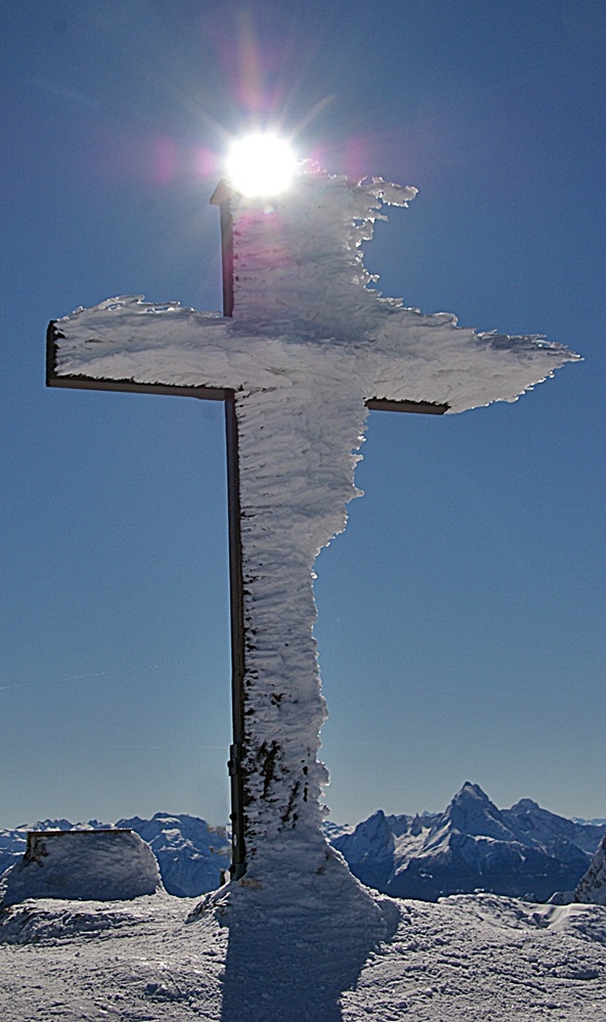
[{"x": 261, "y": 165}]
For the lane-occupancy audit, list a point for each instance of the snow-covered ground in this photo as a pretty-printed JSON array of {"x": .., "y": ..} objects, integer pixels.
[{"x": 261, "y": 957}]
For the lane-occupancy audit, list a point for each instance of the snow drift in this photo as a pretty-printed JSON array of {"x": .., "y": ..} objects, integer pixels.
[{"x": 105, "y": 865}]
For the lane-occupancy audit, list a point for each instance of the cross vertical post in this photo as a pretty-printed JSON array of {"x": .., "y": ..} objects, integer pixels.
[
  {"x": 220, "y": 197},
  {"x": 236, "y": 599}
]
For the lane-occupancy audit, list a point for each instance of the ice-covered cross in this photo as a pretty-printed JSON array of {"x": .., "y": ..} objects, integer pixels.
[{"x": 306, "y": 350}]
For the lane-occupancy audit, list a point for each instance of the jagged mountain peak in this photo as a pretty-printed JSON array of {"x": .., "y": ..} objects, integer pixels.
[
  {"x": 471, "y": 790},
  {"x": 539, "y": 827},
  {"x": 470, "y": 793},
  {"x": 471, "y": 812},
  {"x": 525, "y": 805},
  {"x": 373, "y": 838}
]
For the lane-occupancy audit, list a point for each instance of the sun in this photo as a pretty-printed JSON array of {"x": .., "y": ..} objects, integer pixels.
[{"x": 261, "y": 165}]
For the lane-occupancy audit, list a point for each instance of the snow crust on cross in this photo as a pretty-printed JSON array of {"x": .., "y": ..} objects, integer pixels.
[{"x": 309, "y": 344}]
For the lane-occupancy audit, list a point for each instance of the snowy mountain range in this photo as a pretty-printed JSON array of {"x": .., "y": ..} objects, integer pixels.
[{"x": 524, "y": 851}]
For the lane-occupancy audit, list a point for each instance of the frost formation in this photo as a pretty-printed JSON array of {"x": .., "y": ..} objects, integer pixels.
[{"x": 309, "y": 343}]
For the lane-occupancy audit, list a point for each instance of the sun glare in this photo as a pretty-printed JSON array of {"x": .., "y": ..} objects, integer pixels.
[{"x": 261, "y": 164}]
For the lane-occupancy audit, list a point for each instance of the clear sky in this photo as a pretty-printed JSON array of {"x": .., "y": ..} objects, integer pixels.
[{"x": 462, "y": 614}]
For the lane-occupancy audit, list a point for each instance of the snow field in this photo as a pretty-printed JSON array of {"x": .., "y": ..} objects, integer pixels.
[{"x": 470, "y": 957}]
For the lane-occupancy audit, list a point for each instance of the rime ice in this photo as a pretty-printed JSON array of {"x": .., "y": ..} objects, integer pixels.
[{"x": 309, "y": 344}]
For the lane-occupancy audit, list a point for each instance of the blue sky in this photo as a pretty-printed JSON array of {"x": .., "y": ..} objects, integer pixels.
[{"x": 461, "y": 615}]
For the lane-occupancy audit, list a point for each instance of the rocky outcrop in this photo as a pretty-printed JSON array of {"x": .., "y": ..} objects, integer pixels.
[{"x": 592, "y": 886}]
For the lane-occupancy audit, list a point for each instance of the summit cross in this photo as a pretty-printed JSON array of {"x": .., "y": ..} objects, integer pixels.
[{"x": 304, "y": 348}]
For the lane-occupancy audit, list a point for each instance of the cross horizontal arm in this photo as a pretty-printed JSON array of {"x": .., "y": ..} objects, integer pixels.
[
  {"x": 79, "y": 381},
  {"x": 129, "y": 387},
  {"x": 410, "y": 362},
  {"x": 424, "y": 407}
]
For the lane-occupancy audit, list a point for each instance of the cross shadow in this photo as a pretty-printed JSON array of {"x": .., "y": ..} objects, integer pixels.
[{"x": 290, "y": 957}]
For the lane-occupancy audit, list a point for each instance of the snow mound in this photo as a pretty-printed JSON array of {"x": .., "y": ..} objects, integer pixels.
[
  {"x": 295, "y": 946},
  {"x": 53, "y": 919},
  {"x": 90, "y": 865}
]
